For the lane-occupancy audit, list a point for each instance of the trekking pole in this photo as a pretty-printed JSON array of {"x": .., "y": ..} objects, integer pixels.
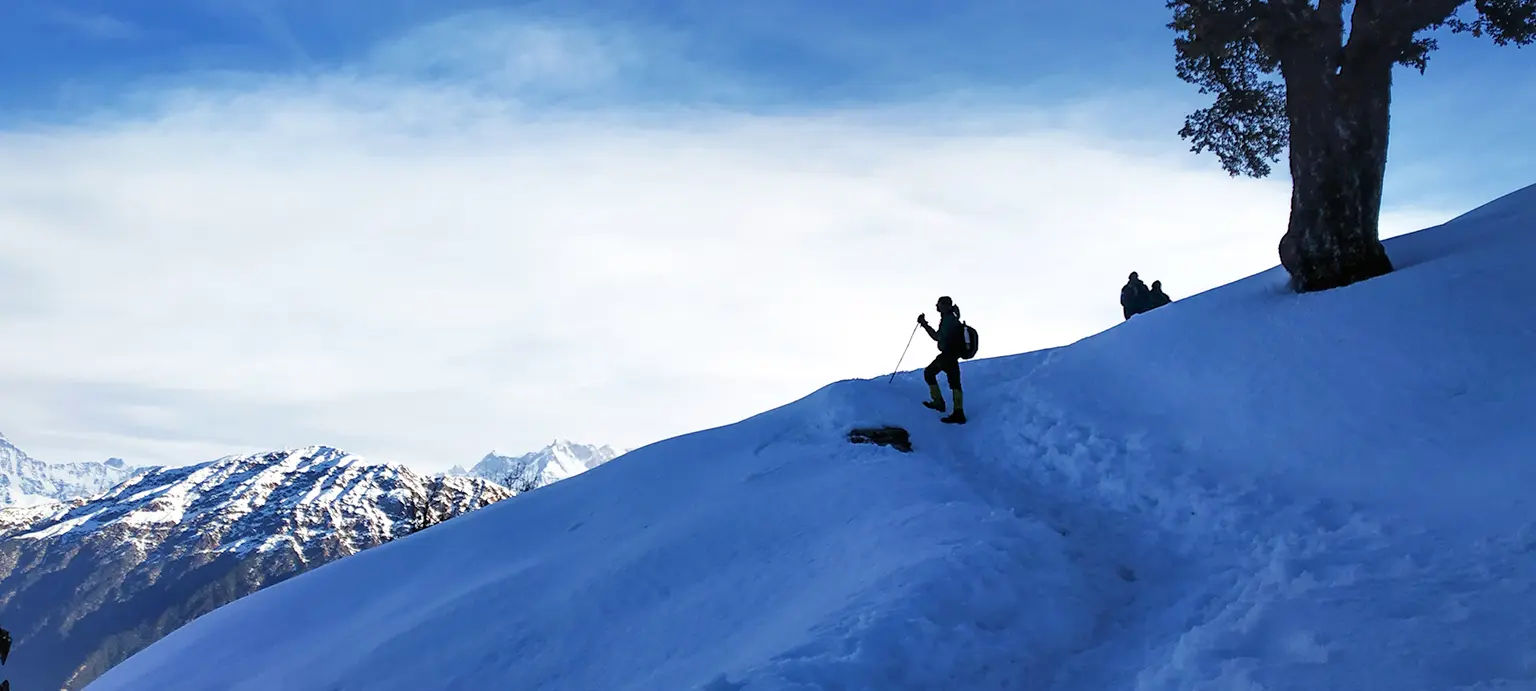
[{"x": 903, "y": 355}]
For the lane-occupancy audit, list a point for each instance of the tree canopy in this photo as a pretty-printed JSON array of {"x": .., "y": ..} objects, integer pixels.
[{"x": 1235, "y": 49}]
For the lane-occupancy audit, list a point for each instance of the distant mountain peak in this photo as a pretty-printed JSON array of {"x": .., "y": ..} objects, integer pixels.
[
  {"x": 560, "y": 460},
  {"x": 26, "y": 481}
]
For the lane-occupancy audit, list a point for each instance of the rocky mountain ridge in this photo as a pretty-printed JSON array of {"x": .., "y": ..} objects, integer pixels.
[{"x": 86, "y": 583}]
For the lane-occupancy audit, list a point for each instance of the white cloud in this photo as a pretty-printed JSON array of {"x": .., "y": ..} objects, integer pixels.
[{"x": 422, "y": 273}]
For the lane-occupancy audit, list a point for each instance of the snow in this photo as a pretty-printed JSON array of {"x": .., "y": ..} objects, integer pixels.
[
  {"x": 27, "y": 482},
  {"x": 1247, "y": 489},
  {"x": 165, "y": 511},
  {"x": 308, "y": 493},
  {"x": 560, "y": 460},
  {"x": 19, "y": 518},
  {"x": 83, "y": 523}
]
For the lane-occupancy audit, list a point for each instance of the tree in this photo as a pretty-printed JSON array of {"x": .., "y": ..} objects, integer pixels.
[
  {"x": 1329, "y": 103},
  {"x": 518, "y": 482},
  {"x": 423, "y": 513}
]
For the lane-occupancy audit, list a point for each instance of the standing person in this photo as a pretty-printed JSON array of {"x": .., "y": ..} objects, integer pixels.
[
  {"x": 1157, "y": 298},
  {"x": 951, "y": 341},
  {"x": 1133, "y": 297}
]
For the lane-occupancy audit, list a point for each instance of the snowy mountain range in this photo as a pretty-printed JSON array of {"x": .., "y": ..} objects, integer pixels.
[
  {"x": 1245, "y": 489},
  {"x": 86, "y": 583},
  {"x": 561, "y": 460},
  {"x": 25, "y": 481}
]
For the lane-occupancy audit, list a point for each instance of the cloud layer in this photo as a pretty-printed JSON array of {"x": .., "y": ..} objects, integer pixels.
[{"x": 410, "y": 260}]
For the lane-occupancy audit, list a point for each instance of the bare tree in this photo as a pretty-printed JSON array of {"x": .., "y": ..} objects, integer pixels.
[
  {"x": 422, "y": 514},
  {"x": 519, "y": 483}
]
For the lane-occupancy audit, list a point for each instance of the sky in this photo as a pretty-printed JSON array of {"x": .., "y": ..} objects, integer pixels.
[{"x": 420, "y": 231}]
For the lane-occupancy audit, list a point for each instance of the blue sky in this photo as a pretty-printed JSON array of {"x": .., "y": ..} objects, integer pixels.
[
  {"x": 421, "y": 230},
  {"x": 64, "y": 59},
  {"x": 808, "y": 51}
]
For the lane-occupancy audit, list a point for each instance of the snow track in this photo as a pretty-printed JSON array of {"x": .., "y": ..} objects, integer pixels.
[{"x": 1202, "y": 583}]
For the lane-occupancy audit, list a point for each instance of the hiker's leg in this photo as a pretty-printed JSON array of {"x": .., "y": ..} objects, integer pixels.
[
  {"x": 931, "y": 375},
  {"x": 952, "y": 372}
]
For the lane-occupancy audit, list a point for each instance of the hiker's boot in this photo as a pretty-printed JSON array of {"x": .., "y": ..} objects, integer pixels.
[
  {"x": 937, "y": 402},
  {"x": 957, "y": 417}
]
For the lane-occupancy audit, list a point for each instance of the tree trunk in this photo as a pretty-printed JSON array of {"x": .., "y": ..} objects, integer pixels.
[{"x": 1338, "y": 142}]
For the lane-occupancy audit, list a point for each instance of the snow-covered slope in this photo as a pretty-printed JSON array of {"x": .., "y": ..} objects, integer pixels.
[
  {"x": 25, "y": 481},
  {"x": 560, "y": 460},
  {"x": 1248, "y": 489},
  {"x": 85, "y": 584}
]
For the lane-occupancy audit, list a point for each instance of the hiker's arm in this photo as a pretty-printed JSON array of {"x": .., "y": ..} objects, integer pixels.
[{"x": 923, "y": 320}]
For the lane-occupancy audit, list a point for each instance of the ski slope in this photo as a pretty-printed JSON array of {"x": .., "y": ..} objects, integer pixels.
[{"x": 1248, "y": 489}]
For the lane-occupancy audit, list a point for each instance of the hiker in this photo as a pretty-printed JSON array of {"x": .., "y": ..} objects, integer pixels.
[
  {"x": 1157, "y": 298},
  {"x": 1133, "y": 297},
  {"x": 951, "y": 340}
]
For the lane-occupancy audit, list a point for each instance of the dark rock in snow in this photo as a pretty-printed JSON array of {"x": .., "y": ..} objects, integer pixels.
[{"x": 894, "y": 437}]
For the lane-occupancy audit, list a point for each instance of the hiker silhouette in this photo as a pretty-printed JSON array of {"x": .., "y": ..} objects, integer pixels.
[
  {"x": 950, "y": 337},
  {"x": 1156, "y": 297},
  {"x": 1133, "y": 296}
]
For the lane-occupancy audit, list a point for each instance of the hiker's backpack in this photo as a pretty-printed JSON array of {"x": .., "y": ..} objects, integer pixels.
[{"x": 971, "y": 341}]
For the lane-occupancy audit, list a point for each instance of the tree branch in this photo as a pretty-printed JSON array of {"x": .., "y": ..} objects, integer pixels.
[
  {"x": 1426, "y": 14},
  {"x": 1504, "y": 21},
  {"x": 1296, "y": 10},
  {"x": 1375, "y": 35},
  {"x": 1331, "y": 9},
  {"x": 1225, "y": 47}
]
